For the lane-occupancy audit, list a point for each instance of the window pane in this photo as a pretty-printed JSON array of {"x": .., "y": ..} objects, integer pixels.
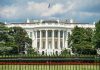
[
  {"x": 56, "y": 46},
  {"x": 30, "y": 34},
  {"x": 43, "y": 46},
  {"x": 43, "y": 33},
  {"x": 56, "y": 33},
  {"x": 61, "y": 34},
  {"x": 38, "y": 34},
  {"x": 49, "y": 33},
  {"x": 38, "y": 44},
  {"x": 61, "y": 45}
]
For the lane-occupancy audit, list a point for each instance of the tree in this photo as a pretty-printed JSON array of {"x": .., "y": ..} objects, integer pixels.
[
  {"x": 20, "y": 37},
  {"x": 81, "y": 39},
  {"x": 6, "y": 40},
  {"x": 97, "y": 35},
  {"x": 13, "y": 40},
  {"x": 3, "y": 32}
]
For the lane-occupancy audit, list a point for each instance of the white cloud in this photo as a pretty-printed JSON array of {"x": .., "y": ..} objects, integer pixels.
[
  {"x": 65, "y": 8},
  {"x": 37, "y": 8},
  {"x": 42, "y": 9},
  {"x": 8, "y": 12},
  {"x": 88, "y": 14},
  {"x": 55, "y": 9}
]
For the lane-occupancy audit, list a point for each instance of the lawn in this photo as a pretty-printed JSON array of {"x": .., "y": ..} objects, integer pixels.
[{"x": 49, "y": 67}]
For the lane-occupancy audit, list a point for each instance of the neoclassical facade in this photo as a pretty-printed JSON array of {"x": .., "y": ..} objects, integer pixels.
[{"x": 49, "y": 36}]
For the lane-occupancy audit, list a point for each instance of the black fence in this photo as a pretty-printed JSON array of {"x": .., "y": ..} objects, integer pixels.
[{"x": 41, "y": 62}]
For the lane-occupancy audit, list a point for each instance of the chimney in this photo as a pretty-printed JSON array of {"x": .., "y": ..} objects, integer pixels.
[
  {"x": 71, "y": 20},
  {"x": 58, "y": 20},
  {"x": 28, "y": 21},
  {"x": 5, "y": 22},
  {"x": 94, "y": 22},
  {"x": 41, "y": 21}
]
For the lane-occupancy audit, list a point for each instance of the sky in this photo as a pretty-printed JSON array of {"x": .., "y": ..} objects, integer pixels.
[{"x": 86, "y": 11}]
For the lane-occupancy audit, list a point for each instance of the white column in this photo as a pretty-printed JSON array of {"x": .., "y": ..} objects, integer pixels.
[
  {"x": 66, "y": 42},
  {"x": 58, "y": 39},
  {"x": 63, "y": 40},
  {"x": 33, "y": 40},
  {"x": 40, "y": 40},
  {"x": 53, "y": 39},
  {"x": 36, "y": 39},
  {"x": 46, "y": 39}
]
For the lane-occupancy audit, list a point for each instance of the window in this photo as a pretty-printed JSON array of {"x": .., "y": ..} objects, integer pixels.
[
  {"x": 43, "y": 46},
  {"x": 68, "y": 34},
  {"x": 61, "y": 34},
  {"x": 49, "y": 33},
  {"x": 61, "y": 46},
  {"x": 38, "y": 44},
  {"x": 30, "y": 34},
  {"x": 38, "y": 34},
  {"x": 43, "y": 33},
  {"x": 56, "y": 33},
  {"x": 56, "y": 46}
]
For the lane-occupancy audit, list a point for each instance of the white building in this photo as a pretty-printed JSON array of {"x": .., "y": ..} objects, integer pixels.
[{"x": 49, "y": 36}]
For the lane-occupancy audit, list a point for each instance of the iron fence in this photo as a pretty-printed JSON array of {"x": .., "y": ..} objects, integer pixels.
[{"x": 43, "y": 62}]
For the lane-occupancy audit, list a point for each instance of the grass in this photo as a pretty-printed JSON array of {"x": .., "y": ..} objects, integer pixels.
[{"x": 49, "y": 67}]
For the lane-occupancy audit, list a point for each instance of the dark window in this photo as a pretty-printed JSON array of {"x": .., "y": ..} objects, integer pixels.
[
  {"x": 56, "y": 33},
  {"x": 43, "y": 46},
  {"x": 49, "y": 33},
  {"x": 43, "y": 33},
  {"x": 38, "y": 44},
  {"x": 38, "y": 34},
  {"x": 56, "y": 46},
  {"x": 61, "y": 46},
  {"x": 61, "y": 34},
  {"x": 30, "y": 34},
  {"x": 68, "y": 34}
]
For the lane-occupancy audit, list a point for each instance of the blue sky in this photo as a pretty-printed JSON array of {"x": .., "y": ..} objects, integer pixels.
[{"x": 78, "y": 10}]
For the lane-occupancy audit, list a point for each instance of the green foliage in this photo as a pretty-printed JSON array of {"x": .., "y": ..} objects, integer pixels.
[
  {"x": 13, "y": 40},
  {"x": 97, "y": 35},
  {"x": 81, "y": 39},
  {"x": 31, "y": 51},
  {"x": 65, "y": 52},
  {"x": 20, "y": 37}
]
